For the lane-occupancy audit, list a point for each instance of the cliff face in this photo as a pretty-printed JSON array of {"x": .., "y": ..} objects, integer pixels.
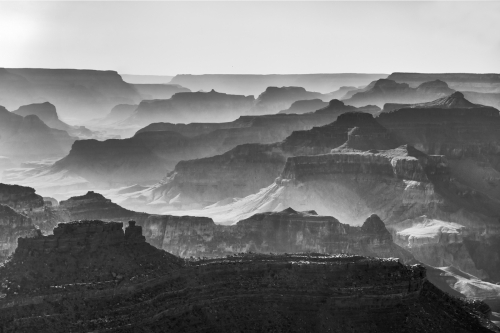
[
  {"x": 12, "y": 226},
  {"x": 113, "y": 281},
  {"x": 147, "y": 157},
  {"x": 79, "y": 94},
  {"x": 187, "y": 107},
  {"x": 389, "y": 91},
  {"x": 25, "y": 138},
  {"x": 247, "y": 168},
  {"x": 20, "y": 198},
  {"x": 274, "y": 99},
  {"x": 304, "y": 106},
  {"x": 48, "y": 114}
]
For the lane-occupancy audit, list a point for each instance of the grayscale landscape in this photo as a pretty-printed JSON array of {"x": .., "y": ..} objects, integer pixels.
[{"x": 250, "y": 166}]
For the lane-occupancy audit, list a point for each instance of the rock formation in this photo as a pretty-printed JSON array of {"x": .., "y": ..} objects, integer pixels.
[
  {"x": 12, "y": 226},
  {"x": 75, "y": 93},
  {"x": 187, "y": 107},
  {"x": 388, "y": 91},
  {"x": 118, "y": 113},
  {"x": 247, "y": 168},
  {"x": 25, "y": 138},
  {"x": 304, "y": 106},
  {"x": 158, "y": 91},
  {"x": 92, "y": 276},
  {"x": 152, "y": 152},
  {"x": 48, "y": 114},
  {"x": 255, "y": 84},
  {"x": 274, "y": 99}
]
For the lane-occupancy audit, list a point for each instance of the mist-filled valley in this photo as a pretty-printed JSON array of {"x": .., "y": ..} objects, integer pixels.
[{"x": 249, "y": 167}]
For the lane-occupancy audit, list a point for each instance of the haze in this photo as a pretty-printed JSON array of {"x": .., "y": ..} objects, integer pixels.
[{"x": 294, "y": 37}]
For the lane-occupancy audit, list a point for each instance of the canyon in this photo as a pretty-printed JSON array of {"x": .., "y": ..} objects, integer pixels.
[{"x": 105, "y": 278}]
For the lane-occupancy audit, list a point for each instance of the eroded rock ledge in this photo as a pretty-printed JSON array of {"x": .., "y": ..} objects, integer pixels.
[{"x": 253, "y": 292}]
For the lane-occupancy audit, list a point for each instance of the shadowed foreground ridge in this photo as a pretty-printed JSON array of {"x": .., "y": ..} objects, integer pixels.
[{"x": 125, "y": 285}]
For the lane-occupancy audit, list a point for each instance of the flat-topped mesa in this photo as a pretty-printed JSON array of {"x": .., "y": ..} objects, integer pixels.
[
  {"x": 404, "y": 162},
  {"x": 20, "y": 198}
]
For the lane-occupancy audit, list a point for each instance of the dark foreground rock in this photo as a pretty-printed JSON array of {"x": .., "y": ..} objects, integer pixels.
[{"x": 92, "y": 276}]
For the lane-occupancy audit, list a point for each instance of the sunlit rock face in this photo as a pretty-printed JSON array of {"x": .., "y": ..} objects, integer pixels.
[
  {"x": 153, "y": 151},
  {"x": 287, "y": 231},
  {"x": 246, "y": 169},
  {"x": 80, "y": 94},
  {"x": 12, "y": 226},
  {"x": 113, "y": 280}
]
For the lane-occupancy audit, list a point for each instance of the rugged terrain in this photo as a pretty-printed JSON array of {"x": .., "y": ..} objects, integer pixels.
[
  {"x": 25, "y": 138},
  {"x": 256, "y": 84},
  {"x": 80, "y": 94},
  {"x": 92, "y": 276}
]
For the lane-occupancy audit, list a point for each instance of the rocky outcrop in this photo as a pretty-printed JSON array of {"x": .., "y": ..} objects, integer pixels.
[
  {"x": 104, "y": 279},
  {"x": 248, "y": 168},
  {"x": 25, "y": 138},
  {"x": 187, "y": 107},
  {"x": 20, "y": 198},
  {"x": 242, "y": 84},
  {"x": 274, "y": 99},
  {"x": 405, "y": 162},
  {"x": 48, "y": 114},
  {"x": 147, "y": 157},
  {"x": 287, "y": 231},
  {"x": 304, "y": 106},
  {"x": 13, "y": 225},
  {"x": 75, "y": 93}
]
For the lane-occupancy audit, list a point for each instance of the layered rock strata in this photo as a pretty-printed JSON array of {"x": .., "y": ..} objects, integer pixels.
[{"x": 104, "y": 279}]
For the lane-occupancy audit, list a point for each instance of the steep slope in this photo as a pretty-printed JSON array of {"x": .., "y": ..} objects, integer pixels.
[
  {"x": 25, "y": 138},
  {"x": 118, "y": 113},
  {"x": 12, "y": 226},
  {"x": 304, "y": 106},
  {"x": 147, "y": 157},
  {"x": 79, "y": 94},
  {"x": 114, "y": 281},
  {"x": 248, "y": 168},
  {"x": 48, "y": 114}
]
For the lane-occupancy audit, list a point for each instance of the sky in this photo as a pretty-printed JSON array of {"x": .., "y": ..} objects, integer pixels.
[{"x": 168, "y": 38}]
